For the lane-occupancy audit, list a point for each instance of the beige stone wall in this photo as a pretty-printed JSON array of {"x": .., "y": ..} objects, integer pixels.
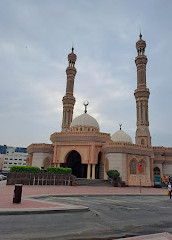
[
  {"x": 134, "y": 179},
  {"x": 166, "y": 169},
  {"x": 117, "y": 161},
  {"x": 38, "y": 159}
]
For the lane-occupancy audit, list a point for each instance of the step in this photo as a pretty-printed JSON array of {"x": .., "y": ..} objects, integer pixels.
[{"x": 92, "y": 182}]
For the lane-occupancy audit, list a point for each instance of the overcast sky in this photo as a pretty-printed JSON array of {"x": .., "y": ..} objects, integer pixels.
[{"x": 35, "y": 39}]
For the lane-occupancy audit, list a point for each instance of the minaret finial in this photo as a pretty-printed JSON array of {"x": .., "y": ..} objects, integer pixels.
[
  {"x": 72, "y": 48},
  {"x": 120, "y": 125},
  {"x": 140, "y": 35},
  {"x": 85, "y": 103}
]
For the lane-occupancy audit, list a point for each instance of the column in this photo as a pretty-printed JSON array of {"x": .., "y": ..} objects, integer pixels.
[
  {"x": 88, "y": 171},
  {"x": 93, "y": 171}
]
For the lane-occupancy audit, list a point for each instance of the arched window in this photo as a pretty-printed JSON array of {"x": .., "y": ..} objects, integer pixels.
[
  {"x": 47, "y": 162},
  {"x": 142, "y": 142},
  {"x": 133, "y": 168}
]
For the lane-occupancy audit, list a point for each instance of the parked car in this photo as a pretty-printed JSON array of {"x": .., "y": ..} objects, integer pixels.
[{"x": 2, "y": 177}]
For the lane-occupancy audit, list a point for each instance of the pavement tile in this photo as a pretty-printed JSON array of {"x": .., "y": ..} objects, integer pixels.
[{"x": 7, "y": 191}]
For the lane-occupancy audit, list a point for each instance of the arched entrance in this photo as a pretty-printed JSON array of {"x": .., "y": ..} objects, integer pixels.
[
  {"x": 73, "y": 161},
  {"x": 157, "y": 177},
  {"x": 99, "y": 169},
  {"x": 156, "y": 171}
]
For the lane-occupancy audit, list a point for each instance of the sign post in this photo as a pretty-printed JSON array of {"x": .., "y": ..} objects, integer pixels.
[{"x": 140, "y": 171}]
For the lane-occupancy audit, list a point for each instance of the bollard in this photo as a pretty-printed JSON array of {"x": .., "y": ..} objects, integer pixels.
[{"x": 17, "y": 193}]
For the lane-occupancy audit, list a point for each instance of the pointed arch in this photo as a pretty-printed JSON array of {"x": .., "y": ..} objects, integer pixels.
[
  {"x": 133, "y": 166},
  {"x": 73, "y": 160},
  {"x": 47, "y": 162}
]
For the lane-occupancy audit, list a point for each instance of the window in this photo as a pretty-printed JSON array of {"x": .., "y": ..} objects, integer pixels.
[
  {"x": 20, "y": 159},
  {"x": 10, "y": 163},
  {"x": 11, "y": 158},
  {"x": 142, "y": 142},
  {"x": 24, "y": 163},
  {"x": 133, "y": 167},
  {"x": 6, "y": 158}
]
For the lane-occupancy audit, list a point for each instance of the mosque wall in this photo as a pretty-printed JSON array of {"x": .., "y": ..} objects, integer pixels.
[
  {"x": 38, "y": 158},
  {"x": 133, "y": 175},
  {"x": 167, "y": 169},
  {"x": 117, "y": 161}
]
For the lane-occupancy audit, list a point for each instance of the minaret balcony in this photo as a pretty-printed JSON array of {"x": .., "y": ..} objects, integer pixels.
[
  {"x": 71, "y": 71},
  {"x": 142, "y": 92},
  {"x": 141, "y": 59}
]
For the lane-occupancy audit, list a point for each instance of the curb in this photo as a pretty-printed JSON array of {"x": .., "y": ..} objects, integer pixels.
[
  {"x": 42, "y": 211},
  {"x": 94, "y": 195}
]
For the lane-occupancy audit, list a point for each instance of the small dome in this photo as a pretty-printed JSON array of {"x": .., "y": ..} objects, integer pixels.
[
  {"x": 85, "y": 120},
  {"x": 121, "y": 136}
]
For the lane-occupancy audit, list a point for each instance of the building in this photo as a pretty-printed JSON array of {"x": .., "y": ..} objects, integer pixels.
[
  {"x": 90, "y": 153},
  {"x": 12, "y": 156}
]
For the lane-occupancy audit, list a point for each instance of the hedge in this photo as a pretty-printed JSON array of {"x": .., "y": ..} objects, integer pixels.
[
  {"x": 25, "y": 169},
  {"x": 114, "y": 174},
  {"x": 58, "y": 170}
]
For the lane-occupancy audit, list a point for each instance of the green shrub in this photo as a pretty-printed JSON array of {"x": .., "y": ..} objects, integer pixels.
[
  {"x": 114, "y": 174},
  {"x": 25, "y": 169},
  {"x": 58, "y": 170}
]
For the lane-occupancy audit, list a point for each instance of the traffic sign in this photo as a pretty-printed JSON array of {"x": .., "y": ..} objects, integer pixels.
[{"x": 140, "y": 167}]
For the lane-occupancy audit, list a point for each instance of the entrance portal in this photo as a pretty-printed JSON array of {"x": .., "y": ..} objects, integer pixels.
[
  {"x": 73, "y": 161},
  {"x": 157, "y": 171}
]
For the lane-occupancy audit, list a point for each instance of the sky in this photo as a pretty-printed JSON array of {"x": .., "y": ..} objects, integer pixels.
[{"x": 35, "y": 40}]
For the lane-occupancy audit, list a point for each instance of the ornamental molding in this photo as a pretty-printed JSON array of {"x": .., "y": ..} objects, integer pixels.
[
  {"x": 40, "y": 148},
  {"x": 127, "y": 148},
  {"x": 80, "y": 137}
]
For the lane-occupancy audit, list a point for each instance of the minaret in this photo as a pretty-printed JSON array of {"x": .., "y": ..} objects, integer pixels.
[
  {"x": 142, "y": 95},
  {"x": 68, "y": 99}
]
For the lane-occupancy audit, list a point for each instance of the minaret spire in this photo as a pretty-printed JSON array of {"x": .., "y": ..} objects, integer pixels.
[
  {"x": 68, "y": 99},
  {"x": 142, "y": 95}
]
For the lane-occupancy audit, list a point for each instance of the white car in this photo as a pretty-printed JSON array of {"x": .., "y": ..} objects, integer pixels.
[{"x": 2, "y": 177}]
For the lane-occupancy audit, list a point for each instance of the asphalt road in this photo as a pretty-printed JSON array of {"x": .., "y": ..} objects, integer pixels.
[{"x": 109, "y": 216}]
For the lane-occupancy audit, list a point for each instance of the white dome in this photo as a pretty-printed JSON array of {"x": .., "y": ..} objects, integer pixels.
[
  {"x": 85, "y": 120},
  {"x": 121, "y": 136}
]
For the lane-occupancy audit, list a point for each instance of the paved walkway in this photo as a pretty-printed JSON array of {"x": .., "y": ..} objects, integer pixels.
[
  {"x": 29, "y": 205},
  {"x": 160, "y": 236},
  {"x": 35, "y": 205}
]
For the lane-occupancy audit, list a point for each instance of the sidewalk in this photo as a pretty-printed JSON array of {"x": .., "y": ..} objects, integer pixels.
[
  {"x": 29, "y": 205},
  {"x": 159, "y": 236}
]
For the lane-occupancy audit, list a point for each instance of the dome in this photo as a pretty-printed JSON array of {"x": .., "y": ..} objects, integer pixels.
[
  {"x": 121, "y": 136},
  {"x": 85, "y": 120}
]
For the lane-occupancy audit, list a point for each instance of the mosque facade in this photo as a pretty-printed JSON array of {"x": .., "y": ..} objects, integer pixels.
[{"x": 90, "y": 153}]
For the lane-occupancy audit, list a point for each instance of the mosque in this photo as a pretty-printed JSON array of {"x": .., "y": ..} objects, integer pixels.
[{"x": 90, "y": 153}]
